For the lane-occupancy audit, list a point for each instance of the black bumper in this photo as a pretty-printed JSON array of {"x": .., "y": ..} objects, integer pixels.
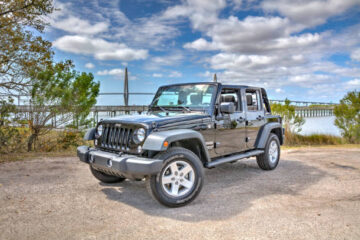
[{"x": 128, "y": 166}]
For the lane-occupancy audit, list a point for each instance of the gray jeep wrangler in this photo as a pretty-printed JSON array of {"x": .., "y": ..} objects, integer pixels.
[{"x": 188, "y": 127}]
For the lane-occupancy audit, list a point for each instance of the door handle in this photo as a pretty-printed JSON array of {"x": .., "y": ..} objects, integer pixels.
[
  {"x": 241, "y": 119},
  {"x": 259, "y": 118}
]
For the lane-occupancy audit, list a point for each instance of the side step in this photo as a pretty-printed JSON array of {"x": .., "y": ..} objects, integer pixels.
[{"x": 234, "y": 158}]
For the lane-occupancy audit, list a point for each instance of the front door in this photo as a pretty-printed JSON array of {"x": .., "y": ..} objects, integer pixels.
[
  {"x": 230, "y": 130},
  {"x": 254, "y": 116}
]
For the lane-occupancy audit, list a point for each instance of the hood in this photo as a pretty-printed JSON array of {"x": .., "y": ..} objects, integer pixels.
[{"x": 160, "y": 118}]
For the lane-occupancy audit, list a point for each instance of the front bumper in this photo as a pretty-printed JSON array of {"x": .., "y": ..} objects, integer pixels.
[{"x": 124, "y": 165}]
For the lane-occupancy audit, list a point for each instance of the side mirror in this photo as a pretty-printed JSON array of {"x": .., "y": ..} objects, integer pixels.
[{"x": 227, "y": 107}]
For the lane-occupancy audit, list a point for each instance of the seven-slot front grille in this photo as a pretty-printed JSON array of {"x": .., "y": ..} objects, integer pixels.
[{"x": 116, "y": 137}]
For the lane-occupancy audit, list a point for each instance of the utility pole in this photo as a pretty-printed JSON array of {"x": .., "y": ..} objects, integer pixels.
[
  {"x": 215, "y": 78},
  {"x": 126, "y": 88}
]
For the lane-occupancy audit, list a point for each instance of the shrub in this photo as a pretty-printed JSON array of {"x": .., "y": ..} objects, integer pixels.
[{"x": 348, "y": 116}]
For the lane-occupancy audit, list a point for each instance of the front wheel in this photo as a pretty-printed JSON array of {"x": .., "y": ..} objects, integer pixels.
[
  {"x": 179, "y": 181},
  {"x": 270, "y": 158}
]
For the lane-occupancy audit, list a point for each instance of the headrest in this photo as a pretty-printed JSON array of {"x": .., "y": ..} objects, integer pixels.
[
  {"x": 249, "y": 100},
  {"x": 227, "y": 98},
  {"x": 195, "y": 99}
]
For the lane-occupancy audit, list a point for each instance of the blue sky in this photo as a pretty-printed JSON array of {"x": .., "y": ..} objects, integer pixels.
[{"x": 301, "y": 50}]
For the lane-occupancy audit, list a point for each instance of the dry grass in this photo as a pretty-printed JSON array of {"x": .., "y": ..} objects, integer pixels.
[{"x": 294, "y": 139}]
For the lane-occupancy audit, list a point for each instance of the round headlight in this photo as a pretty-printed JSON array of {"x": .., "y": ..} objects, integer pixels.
[
  {"x": 139, "y": 135},
  {"x": 100, "y": 129}
]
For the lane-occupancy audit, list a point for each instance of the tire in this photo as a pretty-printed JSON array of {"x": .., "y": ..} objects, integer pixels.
[
  {"x": 105, "y": 178},
  {"x": 184, "y": 173},
  {"x": 269, "y": 159}
]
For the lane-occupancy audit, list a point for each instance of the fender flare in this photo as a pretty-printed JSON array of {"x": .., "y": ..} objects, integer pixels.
[
  {"x": 265, "y": 132},
  {"x": 155, "y": 141}
]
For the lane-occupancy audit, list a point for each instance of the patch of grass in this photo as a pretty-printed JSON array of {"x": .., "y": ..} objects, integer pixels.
[
  {"x": 294, "y": 139},
  {"x": 284, "y": 147}
]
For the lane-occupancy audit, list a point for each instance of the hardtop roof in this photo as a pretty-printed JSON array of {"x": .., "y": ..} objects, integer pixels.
[{"x": 212, "y": 83}]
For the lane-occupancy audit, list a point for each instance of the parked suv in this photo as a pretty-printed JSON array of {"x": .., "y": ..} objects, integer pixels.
[{"x": 188, "y": 127}]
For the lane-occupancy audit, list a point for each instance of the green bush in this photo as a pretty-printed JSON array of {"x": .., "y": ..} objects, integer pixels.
[{"x": 348, "y": 116}]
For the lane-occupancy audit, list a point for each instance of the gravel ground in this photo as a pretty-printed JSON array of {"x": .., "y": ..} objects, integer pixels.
[{"x": 313, "y": 194}]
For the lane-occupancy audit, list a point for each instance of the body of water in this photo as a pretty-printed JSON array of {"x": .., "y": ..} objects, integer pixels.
[{"x": 321, "y": 125}]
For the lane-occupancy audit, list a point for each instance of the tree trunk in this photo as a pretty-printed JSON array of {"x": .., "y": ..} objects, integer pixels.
[{"x": 31, "y": 141}]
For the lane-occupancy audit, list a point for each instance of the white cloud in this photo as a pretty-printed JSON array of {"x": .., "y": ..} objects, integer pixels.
[
  {"x": 89, "y": 65},
  {"x": 201, "y": 45},
  {"x": 168, "y": 60},
  {"x": 175, "y": 74},
  {"x": 202, "y": 14},
  {"x": 309, "y": 12},
  {"x": 279, "y": 90},
  {"x": 269, "y": 51},
  {"x": 152, "y": 32},
  {"x": 115, "y": 71},
  {"x": 355, "y": 55},
  {"x": 157, "y": 75},
  {"x": 76, "y": 25},
  {"x": 71, "y": 22},
  {"x": 353, "y": 83},
  {"x": 158, "y": 62},
  {"x": 99, "y": 48}
]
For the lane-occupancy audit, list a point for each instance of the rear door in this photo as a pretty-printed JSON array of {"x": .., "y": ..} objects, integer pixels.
[{"x": 255, "y": 115}]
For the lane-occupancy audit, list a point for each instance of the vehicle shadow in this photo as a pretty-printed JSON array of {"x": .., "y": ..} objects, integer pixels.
[{"x": 228, "y": 190}]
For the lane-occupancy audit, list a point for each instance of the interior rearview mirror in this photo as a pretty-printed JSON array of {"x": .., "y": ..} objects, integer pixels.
[{"x": 227, "y": 107}]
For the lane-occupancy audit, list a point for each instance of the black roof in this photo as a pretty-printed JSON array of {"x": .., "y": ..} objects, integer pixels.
[{"x": 213, "y": 83}]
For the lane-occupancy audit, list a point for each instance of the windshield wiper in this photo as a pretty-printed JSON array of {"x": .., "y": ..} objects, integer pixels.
[
  {"x": 163, "y": 109},
  {"x": 186, "y": 108}
]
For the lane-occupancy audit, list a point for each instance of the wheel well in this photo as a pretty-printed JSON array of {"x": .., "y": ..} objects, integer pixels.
[
  {"x": 278, "y": 132},
  {"x": 193, "y": 145}
]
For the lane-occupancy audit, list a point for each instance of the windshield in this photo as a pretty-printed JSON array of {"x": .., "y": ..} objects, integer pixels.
[{"x": 190, "y": 96}]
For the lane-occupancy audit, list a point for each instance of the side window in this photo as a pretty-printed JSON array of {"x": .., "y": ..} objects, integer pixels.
[
  {"x": 231, "y": 95},
  {"x": 253, "y": 100}
]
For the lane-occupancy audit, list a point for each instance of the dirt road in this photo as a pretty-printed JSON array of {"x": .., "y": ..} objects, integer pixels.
[{"x": 313, "y": 194}]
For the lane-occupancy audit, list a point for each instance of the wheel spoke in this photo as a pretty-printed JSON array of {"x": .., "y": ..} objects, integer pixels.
[
  {"x": 186, "y": 170},
  {"x": 174, "y": 168},
  {"x": 186, "y": 183},
  {"x": 175, "y": 189},
  {"x": 167, "y": 179}
]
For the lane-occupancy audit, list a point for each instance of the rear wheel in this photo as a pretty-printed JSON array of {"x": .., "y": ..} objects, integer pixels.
[
  {"x": 270, "y": 158},
  {"x": 105, "y": 178},
  {"x": 180, "y": 180}
]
